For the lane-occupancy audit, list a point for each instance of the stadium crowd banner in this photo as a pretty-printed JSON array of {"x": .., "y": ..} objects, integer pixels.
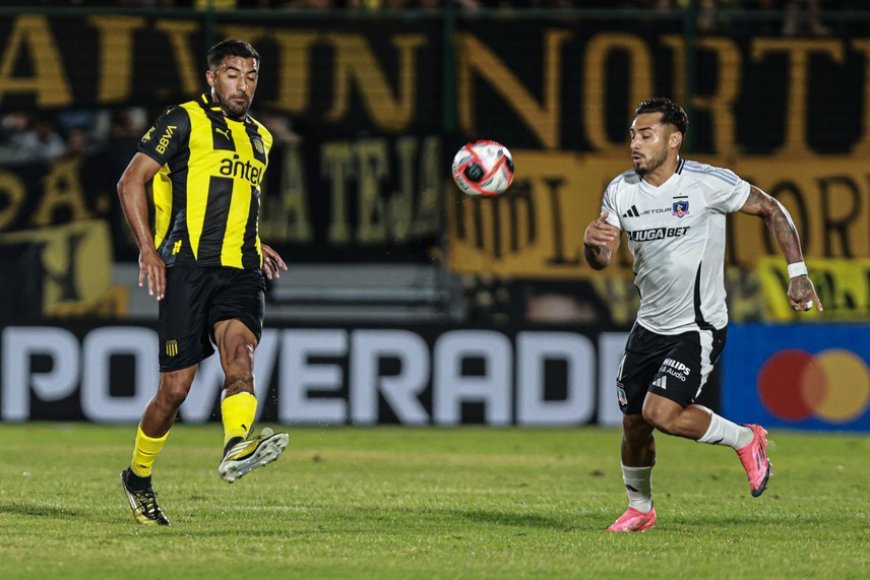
[
  {"x": 329, "y": 375},
  {"x": 74, "y": 265},
  {"x": 536, "y": 229},
  {"x": 367, "y": 98},
  {"x": 843, "y": 286},
  {"x": 544, "y": 82},
  {"x": 336, "y": 199},
  {"x": 798, "y": 376}
]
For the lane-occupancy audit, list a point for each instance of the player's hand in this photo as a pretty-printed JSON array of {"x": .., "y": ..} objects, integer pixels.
[
  {"x": 272, "y": 262},
  {"x": 802, "y": 294},
  {"x": 599, "y": 232},
  {"x": 151, "y": 266}
]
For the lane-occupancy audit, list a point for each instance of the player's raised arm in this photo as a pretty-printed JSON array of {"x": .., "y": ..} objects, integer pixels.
[
  {"x": 600, "y": 242},
  {"x": 134, "y": 201},
  {"x": 801, "y": 293}
]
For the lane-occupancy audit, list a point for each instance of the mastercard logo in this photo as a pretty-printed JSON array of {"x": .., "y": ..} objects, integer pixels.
[{"x": 833, "y": 385}]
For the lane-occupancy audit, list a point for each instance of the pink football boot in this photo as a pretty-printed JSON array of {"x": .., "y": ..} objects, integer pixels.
[{"x": 754, "y": 459}]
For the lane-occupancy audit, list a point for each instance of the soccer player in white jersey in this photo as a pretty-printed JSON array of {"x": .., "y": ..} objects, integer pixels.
[{"x": 672, "y": 212}]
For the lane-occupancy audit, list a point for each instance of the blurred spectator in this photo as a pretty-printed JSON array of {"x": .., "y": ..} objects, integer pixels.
[
  {"x": 78, "y": 142},
  {"x": 30, "y": 139},
  {"x": 800, "y": 17},
  {"x": 309, "y": 5}
]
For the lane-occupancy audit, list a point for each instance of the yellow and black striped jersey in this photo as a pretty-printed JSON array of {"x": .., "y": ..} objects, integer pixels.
[{"x": 207, "y": 192}]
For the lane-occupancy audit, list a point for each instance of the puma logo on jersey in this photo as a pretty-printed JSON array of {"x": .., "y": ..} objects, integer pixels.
[{"x": 224, "y": 132}]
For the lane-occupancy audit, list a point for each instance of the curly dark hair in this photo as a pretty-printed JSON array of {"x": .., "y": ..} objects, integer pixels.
[
  {"x": 231, "y": 47},
  {"x": 672, "y": 113}
]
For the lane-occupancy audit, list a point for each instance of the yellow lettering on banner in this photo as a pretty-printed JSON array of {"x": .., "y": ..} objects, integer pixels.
[
  {"x": 31, "y": 35},
  {"x": 798, "y": 52},
  {"x": 285, "y": 216},
  {"x": 843, "y": 286},
  {"x": 337, "y": 166},
  {"x": 62, "y": 188},
  {"x": 179, "y": 33},
  {"x": 116, "y": 56},
  {"x": 829, "y": 199},
  {"x": 373, "y": 167},
  {"x": 537, "y": 228},
  {"x": 294, "y": 62},
  {"x": 77, "y": 263},
  {"x": 543, "y": 120},
  {"x": 862, "y": 147},
  {"x": 252, "y": 34},
  {"x": 595, "y": 101},
  {"x": 12, "y": 195},
  {"x": 354, "y": 60},
  {"x": 720, "y": 105}
]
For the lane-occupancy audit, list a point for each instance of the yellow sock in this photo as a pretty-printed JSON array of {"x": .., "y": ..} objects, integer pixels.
[
  {"x": 237, "y": 413},
  {"x": 145, "y": 451}
]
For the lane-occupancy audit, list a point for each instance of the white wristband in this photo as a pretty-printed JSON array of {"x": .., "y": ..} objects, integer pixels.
[{"x": 797, "y": 269}]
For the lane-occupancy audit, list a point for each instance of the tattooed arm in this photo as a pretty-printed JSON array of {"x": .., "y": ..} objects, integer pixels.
[
  {"x": 600, "y": 242},
  {"x": 801, "y": 293}
]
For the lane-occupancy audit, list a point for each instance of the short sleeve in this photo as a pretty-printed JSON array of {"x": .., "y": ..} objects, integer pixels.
[
  {"x": 728, "y": 193},
  {"x": 169, "y": 135},
  {"x": 608, "y": 204}
]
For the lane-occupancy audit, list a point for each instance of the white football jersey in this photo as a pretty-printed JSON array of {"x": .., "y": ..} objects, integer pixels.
[{"x": 676, "y": 233}]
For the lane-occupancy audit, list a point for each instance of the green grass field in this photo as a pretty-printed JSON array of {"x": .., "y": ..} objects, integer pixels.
[{"x": 428, "y": 503}]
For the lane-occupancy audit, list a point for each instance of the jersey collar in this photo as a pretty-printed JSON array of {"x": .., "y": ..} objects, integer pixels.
[{"x": 207, "y": 104}]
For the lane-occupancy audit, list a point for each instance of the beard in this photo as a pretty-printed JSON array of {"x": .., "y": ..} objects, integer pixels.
[
  {"x": 646, "y": 166},
  {"x": 233, "y": 109}
]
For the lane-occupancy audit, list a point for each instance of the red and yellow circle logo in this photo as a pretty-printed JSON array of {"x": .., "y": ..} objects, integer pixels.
[{"x": 833, "y": 385}]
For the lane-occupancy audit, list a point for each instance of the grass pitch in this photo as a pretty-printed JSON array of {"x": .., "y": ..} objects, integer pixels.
[{"x": 428, "y": 503}]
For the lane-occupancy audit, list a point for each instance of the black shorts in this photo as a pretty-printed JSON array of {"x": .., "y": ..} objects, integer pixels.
[
  {"x": 673, "y": 366},
  {"x": 196, "y": 299}
]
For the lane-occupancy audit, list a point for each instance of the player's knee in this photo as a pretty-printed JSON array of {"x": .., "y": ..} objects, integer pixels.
[
  {"x": 661, "y": 419},
  {"x": 173, "y": 391}
]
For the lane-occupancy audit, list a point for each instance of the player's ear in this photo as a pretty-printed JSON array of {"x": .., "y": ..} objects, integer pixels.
[
  {"x": 676, "y": 140},
  {"x": 209, "y": 77}
]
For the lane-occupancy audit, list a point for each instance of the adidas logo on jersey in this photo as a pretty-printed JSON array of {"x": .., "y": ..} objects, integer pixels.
[{"x": 631, "y": 212}]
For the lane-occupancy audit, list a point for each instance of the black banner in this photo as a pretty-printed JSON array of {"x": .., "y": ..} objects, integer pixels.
[{"x": 533, "y": 83}]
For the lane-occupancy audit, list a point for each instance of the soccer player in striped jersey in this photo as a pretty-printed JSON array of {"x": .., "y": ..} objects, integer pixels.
[
  {"x": 672, "y": 213},
  {"x": 204, "y": 263}
]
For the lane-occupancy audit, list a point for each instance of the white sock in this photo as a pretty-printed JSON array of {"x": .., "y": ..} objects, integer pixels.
[
  {"x": 723, "y": 432},
  {"x": 638, "y": 484}
]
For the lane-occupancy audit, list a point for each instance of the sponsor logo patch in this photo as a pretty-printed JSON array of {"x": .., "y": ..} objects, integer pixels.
[{"x": 656, "y": 234}]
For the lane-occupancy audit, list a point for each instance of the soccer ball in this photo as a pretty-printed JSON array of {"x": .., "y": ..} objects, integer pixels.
[{"x": 483, "y": 168}]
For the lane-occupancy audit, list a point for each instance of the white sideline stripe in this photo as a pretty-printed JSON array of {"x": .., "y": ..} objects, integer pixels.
[{"x": 706, "y": 337}]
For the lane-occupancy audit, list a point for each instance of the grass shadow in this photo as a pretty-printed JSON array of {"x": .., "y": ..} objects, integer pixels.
[
  {"x": 502, "y": 518},
  {"x": 42, "y": 511}
]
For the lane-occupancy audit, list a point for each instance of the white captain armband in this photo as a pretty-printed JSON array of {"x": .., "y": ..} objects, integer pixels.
[{"x": 797, "y": 269}]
